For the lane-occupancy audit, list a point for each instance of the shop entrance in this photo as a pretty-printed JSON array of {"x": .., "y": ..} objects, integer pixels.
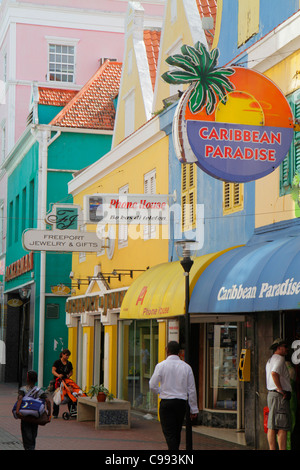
[
  {"x": 292, "y": 335},
  {"x": 18, "y": 357},
  {"x": 221, "y": 394},
  {"x": 221, "y": 366},
  {"x": 137, "y": 358}
]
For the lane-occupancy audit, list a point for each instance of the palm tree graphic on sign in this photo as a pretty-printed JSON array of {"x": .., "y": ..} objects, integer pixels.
[{"x": 209, "y": 83}]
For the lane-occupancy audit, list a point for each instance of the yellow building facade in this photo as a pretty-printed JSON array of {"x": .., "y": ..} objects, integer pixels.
[
  {"x": 273, "y": 203},
  {"x": 98, "y": 341}
]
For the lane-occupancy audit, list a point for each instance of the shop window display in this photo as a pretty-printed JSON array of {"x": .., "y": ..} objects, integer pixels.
[{"x": 142, "y": 359}]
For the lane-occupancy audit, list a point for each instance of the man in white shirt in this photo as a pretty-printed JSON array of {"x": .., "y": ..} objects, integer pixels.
[
  {"x": 173, "y": 380},
  {"x": 279, "y": 391}
]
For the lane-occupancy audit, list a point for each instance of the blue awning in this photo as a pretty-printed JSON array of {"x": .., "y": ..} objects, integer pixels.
[{"x": 263, "y": 275}]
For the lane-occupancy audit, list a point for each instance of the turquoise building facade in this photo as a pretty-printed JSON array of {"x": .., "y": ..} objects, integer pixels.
[{"x": 36, "y": 285}]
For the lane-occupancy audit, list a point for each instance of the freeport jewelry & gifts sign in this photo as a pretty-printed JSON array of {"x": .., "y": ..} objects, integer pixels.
[{"x": 61, "y": 240}]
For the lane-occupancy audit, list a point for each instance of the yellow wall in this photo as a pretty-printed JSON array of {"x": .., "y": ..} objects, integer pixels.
[
  {"x": 89, "y": 332},
  {"x": 177, "y": 32},
  {"x": 162, "y": 333},
  {"x": 248, "y": 19},
  {"x": 271, "y": 208},
  {"x": 111, "y": 331},
  {"x": 139, "y": 254},
  {"x": 72, "y": 346},
  {"x": 130, "y": 81}
]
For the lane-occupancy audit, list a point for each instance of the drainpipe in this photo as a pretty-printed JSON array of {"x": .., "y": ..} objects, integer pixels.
[{"x": 43, "y": 138}]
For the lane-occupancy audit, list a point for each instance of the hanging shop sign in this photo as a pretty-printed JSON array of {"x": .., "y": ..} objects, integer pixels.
[
  {"x": 60, "y": 289},
  {"x": 19, "y": 267},
  {"x": 96, "y": 303},
  {"x": 65, "y": 216},
  {"x": 15, "y": 303},
  {"x": 61, "y": 241},
  {"x": 234, "y": 123},
  {"x": 141, "y": 209},
  {"x": 65, "y": 236}
]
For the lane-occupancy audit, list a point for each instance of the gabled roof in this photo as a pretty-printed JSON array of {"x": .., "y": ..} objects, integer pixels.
[
  {"x": 92, "y": 107},
  {"x": 55, "y": 96},
  {"x": 152, "y": 41},
  {"x": 208, "y": 8}
]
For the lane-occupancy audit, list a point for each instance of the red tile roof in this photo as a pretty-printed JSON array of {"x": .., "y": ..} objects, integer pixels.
[
  {"x": 92, "y": 107},
  {"x": 152, "y": 41},
  {"x": 208, "y": 8},
  {"x": 55, "y": 96}
]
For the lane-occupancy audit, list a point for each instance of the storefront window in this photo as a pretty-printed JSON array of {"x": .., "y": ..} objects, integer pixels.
[
  {"x": 139, "y": 363},
  {"x": 222, "y": 363}
]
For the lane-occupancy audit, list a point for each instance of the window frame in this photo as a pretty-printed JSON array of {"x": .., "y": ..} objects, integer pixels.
[
  {"x": 235, "y": 203},
  {"x": 57, "y": 41},
  {"x": 291, "y": 163},
  {"x": 188, "y": 196}
]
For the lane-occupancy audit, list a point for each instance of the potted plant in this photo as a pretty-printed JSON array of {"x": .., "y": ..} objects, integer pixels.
[{"x": 100, "y": 392}]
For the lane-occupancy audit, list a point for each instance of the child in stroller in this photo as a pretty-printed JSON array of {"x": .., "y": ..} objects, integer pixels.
[{"x": 70, "y": 392}]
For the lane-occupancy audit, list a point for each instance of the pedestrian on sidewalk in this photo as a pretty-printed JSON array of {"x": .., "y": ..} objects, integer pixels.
[
  {"x": 173, "y": 380},
  {"x": 61, "y": 369},
  {"x": 279, "y": 394},
  {"x": 29, "y": 429}
]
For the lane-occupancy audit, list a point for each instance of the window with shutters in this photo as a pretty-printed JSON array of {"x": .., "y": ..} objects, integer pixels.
[
  {"x": 188, "y": 196},
  {"x": 233, "y": 197},
  {"x": 150, "y": 188},
  {"x": 291, "y": 164}
]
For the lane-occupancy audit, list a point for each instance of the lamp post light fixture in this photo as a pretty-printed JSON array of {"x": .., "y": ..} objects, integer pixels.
[{"x": 187, "y": 251}]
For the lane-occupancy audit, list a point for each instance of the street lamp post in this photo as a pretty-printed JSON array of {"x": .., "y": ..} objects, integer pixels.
[{"x": 186, "y": 252}]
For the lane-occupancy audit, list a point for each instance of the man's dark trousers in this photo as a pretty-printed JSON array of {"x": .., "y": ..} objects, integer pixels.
[{"x": 172, "y": 412}]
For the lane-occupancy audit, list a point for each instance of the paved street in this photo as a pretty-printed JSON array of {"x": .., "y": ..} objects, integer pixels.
[{"x": 144, "y": 435}]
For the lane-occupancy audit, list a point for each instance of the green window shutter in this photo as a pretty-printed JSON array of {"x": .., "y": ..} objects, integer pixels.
[
  {"x": 297, "y": 134},
  {"x": 291, "y": 163}
]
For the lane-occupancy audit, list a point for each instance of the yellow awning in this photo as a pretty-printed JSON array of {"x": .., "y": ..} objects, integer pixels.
[{"x": 160, "y": 291}]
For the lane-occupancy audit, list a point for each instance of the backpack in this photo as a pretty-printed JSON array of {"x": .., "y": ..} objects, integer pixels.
[{"x": 30, "y": 406}]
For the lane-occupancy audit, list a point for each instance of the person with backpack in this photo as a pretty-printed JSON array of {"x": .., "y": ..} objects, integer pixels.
[{"x": 29, "y": 425}]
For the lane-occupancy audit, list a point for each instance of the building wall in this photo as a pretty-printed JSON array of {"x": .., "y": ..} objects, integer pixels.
[
  {"x": 146, "y": 253},
  {"x": 236, "y": 228},
  {"x": 226, "y": 38},
  {"x": 138, "y": 254},
  {"x": 185, "y": 27},
  {"x": 270, "y": 206}
]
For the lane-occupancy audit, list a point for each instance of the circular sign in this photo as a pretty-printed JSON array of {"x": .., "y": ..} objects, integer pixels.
[{"x": 245, "y": 137}]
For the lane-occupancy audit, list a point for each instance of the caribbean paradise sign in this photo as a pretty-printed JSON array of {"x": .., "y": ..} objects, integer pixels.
[{"x": 233, "y": 122}]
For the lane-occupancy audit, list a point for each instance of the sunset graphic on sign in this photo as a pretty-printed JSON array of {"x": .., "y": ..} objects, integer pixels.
[{"x": 233, "y": 122}]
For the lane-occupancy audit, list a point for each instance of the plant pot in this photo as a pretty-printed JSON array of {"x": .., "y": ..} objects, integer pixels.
[{"x": 101, "y": 396}]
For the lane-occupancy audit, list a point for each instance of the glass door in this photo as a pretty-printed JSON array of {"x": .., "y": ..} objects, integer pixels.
[{"x": 222, "y": 352}]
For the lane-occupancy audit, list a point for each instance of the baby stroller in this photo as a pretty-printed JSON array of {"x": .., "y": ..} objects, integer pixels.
[{"x": 69, "y": 393}]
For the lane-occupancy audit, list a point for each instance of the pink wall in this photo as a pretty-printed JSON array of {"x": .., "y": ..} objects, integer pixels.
[
  {"x": 32, "y": 47},
  {"x": 103, "y": 5},
  {"x": 32, "y": 51},
  {"x": 32, "y": 60}
]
